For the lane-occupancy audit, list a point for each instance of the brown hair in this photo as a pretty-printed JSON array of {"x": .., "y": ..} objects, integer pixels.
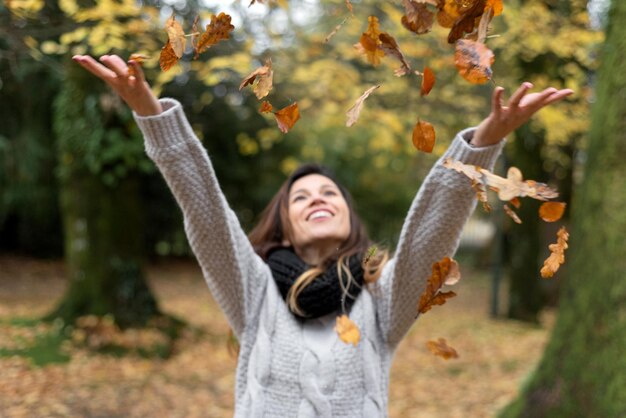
[{"x": 274, "y": 228}]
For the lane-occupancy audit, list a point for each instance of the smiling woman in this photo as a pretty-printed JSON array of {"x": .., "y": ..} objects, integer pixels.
[{"x": 303, "y": 264}]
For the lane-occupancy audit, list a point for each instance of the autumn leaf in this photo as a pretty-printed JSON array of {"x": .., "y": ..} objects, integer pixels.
[
  {"x": 428, "y": 81},
  {"x": 418, "y": 18},
  {"x": 557, "y": 254},
  {"x": 176, "y": 36},
  {"x": 467, "y": 21},
  {"x": 512, "y": 214},
  {"x": 473, "y": 60},
  {"x": 354, "y": 112},
  {"x": 481, "y": 194},
  {"x": 217, "y": 30},
  {"x": 390, "y": 47},
  {"x": 424, "y": 136},
  {"x": 483, "y": 25},
  {"x": 552, "y": 211},
  {"x": 515, "y": 202},
  {"x": 442, "y": 349},
  {"x": 507, "y": 188},
  {"x": 495, "y": 5},
  {"x": 263, "y": 75},
  {"x": 442, "y": 271},
  {"x": 287, "y": 117},
  {"x": 168, "y": 57},
  {"x": 139, "y": 59},
  {"x": 347, "y": 330},
  {"x": 349, "y": 6},
  {"x": 369, "y": 42},
  {"x": 266, "y": 107}
]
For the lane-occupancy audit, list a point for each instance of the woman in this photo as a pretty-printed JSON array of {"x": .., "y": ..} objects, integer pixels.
[{"x": 291, "y": 363}]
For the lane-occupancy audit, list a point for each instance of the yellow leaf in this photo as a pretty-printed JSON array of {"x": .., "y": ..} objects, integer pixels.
[{"x": 347, "y": 330}]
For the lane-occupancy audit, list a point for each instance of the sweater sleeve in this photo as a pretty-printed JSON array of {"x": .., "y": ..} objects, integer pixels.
[
  {"x": 235, "y": 274},
  {"x": 430, "y": 232}
]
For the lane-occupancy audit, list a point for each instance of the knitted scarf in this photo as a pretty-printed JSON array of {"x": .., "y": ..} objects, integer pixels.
[{"x": 324, "y": 294}]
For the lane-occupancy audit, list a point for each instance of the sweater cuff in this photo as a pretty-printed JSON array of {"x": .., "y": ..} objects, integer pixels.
[
  {"x": 461, "y": 150},
  {"x": 166, "y": 129}
]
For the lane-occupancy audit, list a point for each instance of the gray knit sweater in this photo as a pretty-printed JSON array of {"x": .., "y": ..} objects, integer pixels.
[{"x": 278, "y": 375}]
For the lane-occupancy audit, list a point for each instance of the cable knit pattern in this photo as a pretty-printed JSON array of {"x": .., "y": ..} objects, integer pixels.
[{"x": 278, "y": 375}]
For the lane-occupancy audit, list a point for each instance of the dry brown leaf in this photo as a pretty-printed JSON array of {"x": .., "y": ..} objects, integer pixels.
[
  {"x": 442, "y": 349},
  {"x": 418, "y": 18},
  {"x": 139, "y": 59},
  {"x": 390, "y": 47},
  {"x": 176, "y": 36},
  {"x": 467, "y": 21},
  {"x": 287, "y": 117},
  {"x": 264, "y": 77},
  {"x": 515, "y": 202},
  {"x": 168, "y": 57},
  {"x": 442, "y": 271},
  {"x": 355, "y": 111},
  {"x": 334, "y": 31},
  {"x": 495, "y": 5},
  {"x": 266, "y": 107},
  {"x": 217, "y": 30},
  {"x": 369, "y": 42},
  {"x": 428, "y": 81},
  {"x": 424, "y": 136},
  {"x": 512, "y": 214},
  {"x": 473, "y": 60},
  {"x": 552, "y": 211},
  {"x": 557, "y": 254},
  {"x": 483, "y": 25},
  {"x": 347, "y": 330},
  {"x": 481, "y": 194},
  {"x": 349, "y": 6}
]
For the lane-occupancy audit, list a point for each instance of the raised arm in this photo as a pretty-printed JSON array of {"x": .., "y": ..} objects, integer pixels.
[
  {"x": 234, "y": 273},
  {"x": 445, "y": 201}
]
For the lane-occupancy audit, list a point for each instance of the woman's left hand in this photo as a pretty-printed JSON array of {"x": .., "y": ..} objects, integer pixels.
[{"x": 505, "y": 119}]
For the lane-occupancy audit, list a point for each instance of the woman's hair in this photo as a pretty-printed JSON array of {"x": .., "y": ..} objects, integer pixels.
[{"x": 274, "y": 229}]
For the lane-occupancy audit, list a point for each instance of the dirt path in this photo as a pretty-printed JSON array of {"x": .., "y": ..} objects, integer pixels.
[{"x": 198, "y": 381}]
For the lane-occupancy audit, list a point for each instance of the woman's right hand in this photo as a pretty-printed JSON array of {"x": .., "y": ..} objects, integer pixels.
[{"x": 134, "y": 90}]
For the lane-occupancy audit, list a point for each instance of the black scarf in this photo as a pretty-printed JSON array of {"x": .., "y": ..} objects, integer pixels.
[{"x": 324, "y": 294}]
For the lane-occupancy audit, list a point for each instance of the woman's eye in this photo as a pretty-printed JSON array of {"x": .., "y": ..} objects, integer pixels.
[
  {"x": 295, "y": 199},
  {"x": 330, "y": 193}
]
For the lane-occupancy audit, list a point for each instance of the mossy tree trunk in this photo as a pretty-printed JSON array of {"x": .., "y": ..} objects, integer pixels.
[
  {"x": 100, "y": 205},
  {"x": 583, "y": 370}
]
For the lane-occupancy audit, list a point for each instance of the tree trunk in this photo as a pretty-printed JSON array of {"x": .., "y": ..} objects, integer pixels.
[
  {"x": 582, "y": 373},
  {"x": 102, "y": 222}
]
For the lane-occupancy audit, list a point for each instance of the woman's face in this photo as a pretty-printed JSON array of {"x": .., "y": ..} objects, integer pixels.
[{"x": 318, "y": 213}]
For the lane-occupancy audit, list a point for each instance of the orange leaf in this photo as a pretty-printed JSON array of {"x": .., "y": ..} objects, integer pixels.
[
  {"x": 349, "y": 6},
  {"x": 442, "y": 349},
  {"x": 557, "y": 255},
  {"x": 266, "y": 107},
  {"x": 495, "y": 5},
  {"x": 264, "y": 84},
  {"x": 481, "y": 194},
  {"x": 176, "y": 36},
  {"x": 369, "y": 42},
  {"x": 473, "y": 60},
  {"x": 428, "y": 81},
  {"x": 424, "y": 136},
  {"x": 354, "y": 112},
  {"x": 390, "y": 47},
  {"x": 552, "y": 211},
  {"x": 219, "y": 29},
  {"x": 138, "y": 58},
  {"x": 512, "y": 214},
  {"x": 516, "y": 202},
  {"x": 418, "y": 18},
  {"x": 445, "y": 271},
  {"x": 467, "y": 21},
  {"x": 287, "y": 117},
  {"x": 168, "y": 57},
  {"x": 347, "y": 330}
]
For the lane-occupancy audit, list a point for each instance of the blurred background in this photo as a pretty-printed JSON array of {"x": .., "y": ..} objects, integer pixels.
[{"x": 103, "y": 311}]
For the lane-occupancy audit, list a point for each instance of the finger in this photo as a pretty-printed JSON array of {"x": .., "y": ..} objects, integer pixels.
[
  {"x": 496, "y": 100},
  {"x": 519, "y": 93},
  {"x": 94, "y": 67},
  {"x": 116, "y": 64},
  {"x": 139, "y": 76},
  {"x": 557, "y": 95}
]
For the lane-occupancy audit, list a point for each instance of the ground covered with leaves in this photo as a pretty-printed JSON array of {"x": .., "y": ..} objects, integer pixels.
[{"x": 49, "y": 371}]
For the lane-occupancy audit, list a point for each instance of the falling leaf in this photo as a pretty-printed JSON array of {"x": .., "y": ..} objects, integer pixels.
[
  {"x": 516, "y": 202},
  {"x": 263, "y": 75},
  {"x": 428, "y": 81},
  {"x": 347, "y": 330},
  {"x": 217, "y": 30},
  {"x": 442, "y": 349},
  {"x": 334, "y": 31},
  {"x": 168, "y": 57},
  {"x": 349, "y": 6},
  {"x": 369, "y": 42},
  {"x": 176, "y": 36},
  {"x": 287, "y": 117},
  {"x": 138, "y": 58},
  {"x": 495, "y": 5},
  {"x": 481, "y": 194},
  {"x": 266, "y": 107},
  {"x": 507, "y": 188},
  {"x": 512, "y": 214},
  {"x": 551, "y": 211},
  {"x": 390, "y": 47},
  {"x": 354, "y": 112},
  {"x": 418, "y": 18},
  {"x": 467, "y": 21},
  {"x": 483, "y": 25},
  {"x": 424, "y": 136},
  {"x": 440, "y": 272},
  {"x": 473, "y": 60},
  {"x": 557, "y": 254}
]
